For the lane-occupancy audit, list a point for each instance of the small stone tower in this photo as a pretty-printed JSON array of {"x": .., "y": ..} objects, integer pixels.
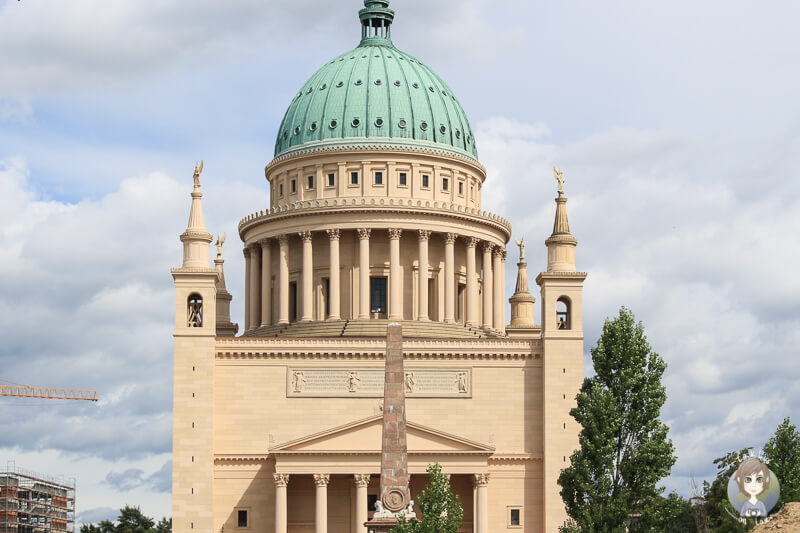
[
  {"x": 193, "y": 393},
  {"x": 522, "y": 301},
  {"x": 225, "y": 328},
  {"x": 561, "y": 293}
]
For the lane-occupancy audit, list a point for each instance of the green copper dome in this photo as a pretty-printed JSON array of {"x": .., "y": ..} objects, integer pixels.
[{"x": 375, "y": 95}]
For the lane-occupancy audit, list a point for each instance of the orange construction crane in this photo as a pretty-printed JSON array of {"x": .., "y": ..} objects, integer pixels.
[{"x": 24, "y": 391}]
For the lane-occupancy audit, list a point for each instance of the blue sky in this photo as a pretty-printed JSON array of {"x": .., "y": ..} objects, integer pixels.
[{"x": 676, "y": 123}]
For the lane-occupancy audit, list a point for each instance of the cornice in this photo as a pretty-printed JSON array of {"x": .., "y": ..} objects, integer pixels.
[
  {"x": 375, "y": 205},
  {"x": 561, "y": 274},
  {"x": 375, "y": 349},
  {"x": 361, "y": 147}
]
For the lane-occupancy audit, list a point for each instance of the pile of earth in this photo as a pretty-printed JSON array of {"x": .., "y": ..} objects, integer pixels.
[{"x": 787, "y": 520}]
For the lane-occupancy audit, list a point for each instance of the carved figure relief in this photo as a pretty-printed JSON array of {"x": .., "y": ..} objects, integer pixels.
[
  {"x": 298, "y": 380},
  {"x": 461, "y": 382},
  {"x": 353, "y": 381},
  {"x": 411, "y": 382}
]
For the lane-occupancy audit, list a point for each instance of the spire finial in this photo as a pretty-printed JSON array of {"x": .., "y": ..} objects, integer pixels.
[
  {"x": 198, "y": 169},
  {"x": 376, "y": 23},
  {"x": 219, "y": 243},
  {"x": 196, "y": 239},
  {"x": 561, "y": 244},
  {"x": 559, "y": 175}
]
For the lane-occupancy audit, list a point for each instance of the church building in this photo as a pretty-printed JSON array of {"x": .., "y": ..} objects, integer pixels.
[{"x": 373, "y": 215}]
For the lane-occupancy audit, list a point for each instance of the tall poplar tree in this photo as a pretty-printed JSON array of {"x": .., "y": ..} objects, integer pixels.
[
  {"x": 624, "y": 449},
  {"x": 782, "y": 454}
]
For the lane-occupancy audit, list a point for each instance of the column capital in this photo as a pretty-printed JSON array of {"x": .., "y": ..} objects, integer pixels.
[
  {"x": 265, "y": 242},
  {"x": 503, "y": 255},
  {"x": 283, "y": 239},
  {"x": 281, "y": 480},
  {"x": 334, "y": 233},
  {"x": 499, "y": 251},
  {"x": 472, "y": 242},
  {"x": 450, "y": 238},
  {"x": 364, "y": 233},
  {"x": 480, "y": 480},
  {"x": 305, "y": 235},
  {"x": 424, "y": 234},
  {"x": 362, "y": 480},
  {"x": 487, "y": 246},
  {"x": 246, "y": 252},
  {"x": 321, "y": 480},
  {"x": 395, "y": 233}
]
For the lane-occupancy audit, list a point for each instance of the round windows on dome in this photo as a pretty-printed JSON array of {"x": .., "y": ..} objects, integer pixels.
[
  {"x": 356, "y": 122},
  {"x": 297, "y": 130},
  {"x": 458, "y": 134},
  {"x": 378, "y": 122},
  {"x": 423, "y": 125},
  {"x": 313, "y": 126},
  {"x": 358, "y": 82},
  {"x": 444, "y": 93},
  {"x": 310, "y": 89},
  {"x": 431, "y": 89},
  {"x": 285, "y": 135},
  {"x": 442, "y": 129},
  {"x": 340, "y": 84},
  {"x": 415, "y": 85},
  {"x": 333, "y": 124},
  {"x": 324, "y": 86},
  {"x": 397, "y": 83},
  {"x": 402, "y": 124},
  {"x": 377, "y": 82}
]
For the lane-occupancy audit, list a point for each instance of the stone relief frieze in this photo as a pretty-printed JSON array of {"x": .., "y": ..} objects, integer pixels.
[{"x": 360, "y": 382}]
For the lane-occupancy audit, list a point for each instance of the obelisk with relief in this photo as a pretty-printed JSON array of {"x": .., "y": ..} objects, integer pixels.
[{"x": 394, "y": 497}]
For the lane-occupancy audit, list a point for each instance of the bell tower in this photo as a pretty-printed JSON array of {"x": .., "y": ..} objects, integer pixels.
[
  {"x": 193, "y": 390},
  {"x": 561, "y": 293}
]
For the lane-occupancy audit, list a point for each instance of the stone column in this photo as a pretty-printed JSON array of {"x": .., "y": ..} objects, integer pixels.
[
  {"x": 283, "y": 275},
  {"x": 333, "y": 277},
  {"x": 472, "y": 284},
  {"x": 503, "y": 293},
  {"x": 363, "y": 272},
  {"x": 395, "y": 287},
  {"x": 481, "y": 482},
  {"x": 362, "y": 482},
  {"x": 424, "y": 237},
  {"x": 488, "y": 286},
  {"x": 308, "y": 277},
  {"x": 266, "y": 281},
  {"x": 499, "y": 289},
  {"x": 449, "y": 278},
  {"x": 246, "y": 253},
  {"x": 281, "y": 481},
  {"x": 321, "y": 513},
  {"x": 255, "y": 286}
]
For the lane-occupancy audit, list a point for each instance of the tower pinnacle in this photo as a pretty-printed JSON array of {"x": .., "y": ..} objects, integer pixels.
[
  {"x": 561, "y": 244},
  {"x": 376, "y": 23},
  {"x": 522, "y": 300},
  {"x": 196, "y": 239}
]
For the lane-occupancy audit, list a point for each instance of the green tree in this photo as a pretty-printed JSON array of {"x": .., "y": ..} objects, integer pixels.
[
  {"x": 782, "y": 455},
  {"x": 130, "y": 520},
  {"x": 164, "y": 526},
  {"x": 722, "y": 517},
  {"x": 672, "y": 514},
  {"x": 624, "y": 449},
  {"x": 441, "y": 509}
]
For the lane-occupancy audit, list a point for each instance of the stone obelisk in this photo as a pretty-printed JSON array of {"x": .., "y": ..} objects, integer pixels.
[{"x": 394, "y": 497}]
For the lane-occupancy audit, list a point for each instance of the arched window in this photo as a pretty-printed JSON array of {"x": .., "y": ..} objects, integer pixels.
[
  {"x": 563, "y": 318},
  {"x": 194, "y": 311}
]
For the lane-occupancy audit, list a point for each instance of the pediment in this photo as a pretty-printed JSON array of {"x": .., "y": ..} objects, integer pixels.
[{"x": 364, "y": 436}]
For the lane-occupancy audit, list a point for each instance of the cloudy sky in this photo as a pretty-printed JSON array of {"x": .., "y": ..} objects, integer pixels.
[{"x": 677, "y": 125}]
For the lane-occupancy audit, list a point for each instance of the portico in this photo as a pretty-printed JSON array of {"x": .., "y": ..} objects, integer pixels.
[{"x": 336, "y": 473}]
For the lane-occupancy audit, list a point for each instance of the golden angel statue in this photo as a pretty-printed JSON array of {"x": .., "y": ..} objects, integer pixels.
[
  {"x": 219, "y": 243},
  {"x": 559, "y": 175},
  {"x": 198, "y": 169}
]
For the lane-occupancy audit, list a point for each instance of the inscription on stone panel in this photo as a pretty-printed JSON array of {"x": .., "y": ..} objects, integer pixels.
[{"x": 363, "y": 382}]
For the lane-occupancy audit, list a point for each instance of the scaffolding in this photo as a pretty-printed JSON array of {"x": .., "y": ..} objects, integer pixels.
[{"x": 35, "y": 503}]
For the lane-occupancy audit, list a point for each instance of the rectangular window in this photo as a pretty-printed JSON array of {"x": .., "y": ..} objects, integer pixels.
[
  {"x": 293, "y": 186},
  {"x": 377, "y": 295},
  {"x": 402, "y": 180},
  {"x": 445, "y": 184},
  {"x": 241, "y": 518},
  {"x": 461, "y": 188},
  {"x": 354, "y": 178},
  {"x": 515, "y": 517},
  {"x": 311, "y": 182},
  {"x": 280, "y": 190},
  {"x": 425, "y": 184},
  {"x": 331, "y": 179},
  {"x": 379, "y": 178},
  {"x": 326, "y": 286}
]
